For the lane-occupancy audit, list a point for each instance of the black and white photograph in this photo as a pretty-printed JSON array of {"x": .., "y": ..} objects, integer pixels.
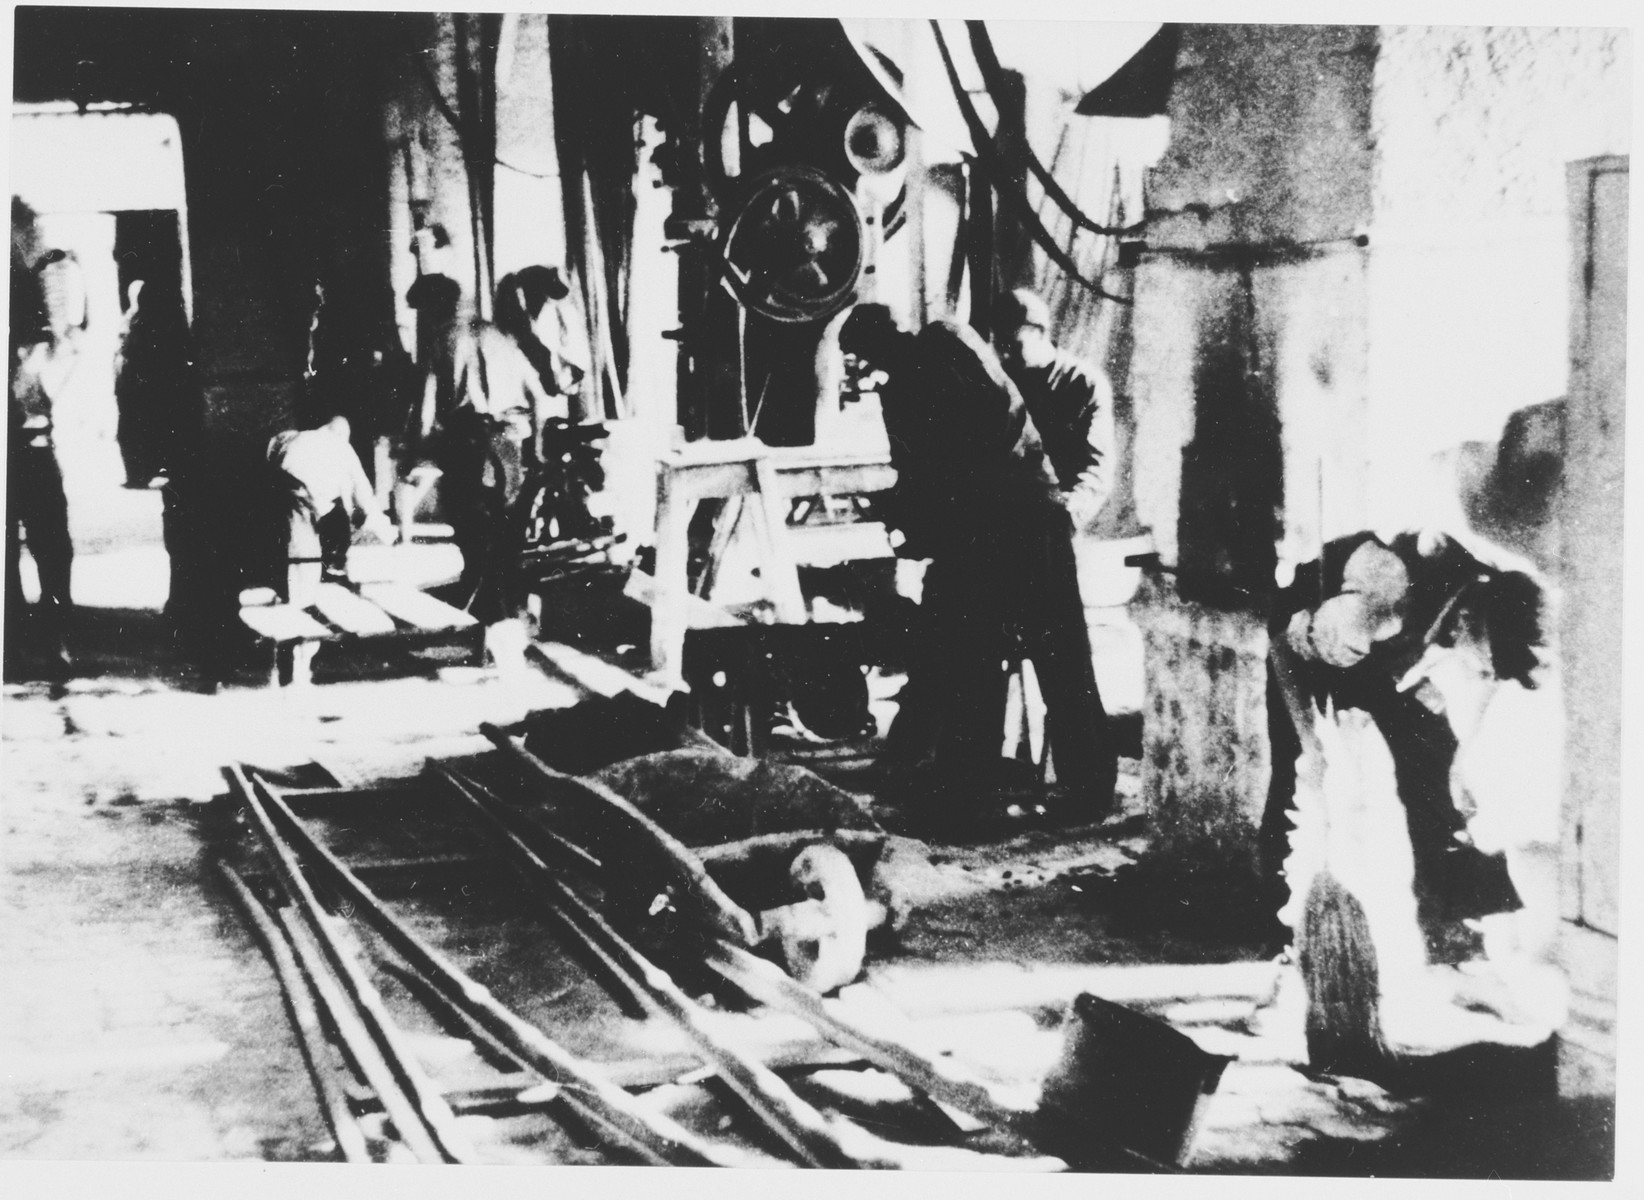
[{"x": 1029, "y": 591}]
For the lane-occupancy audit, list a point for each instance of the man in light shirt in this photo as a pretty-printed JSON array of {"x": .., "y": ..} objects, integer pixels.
[{"x": 325, "y": 487}]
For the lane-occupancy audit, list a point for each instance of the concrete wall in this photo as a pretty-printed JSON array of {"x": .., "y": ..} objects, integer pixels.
[
  {"x": 1268, "y": 136},
  {"x": 1468, "y": 297},
  {"x": 1255, "y": 204}
]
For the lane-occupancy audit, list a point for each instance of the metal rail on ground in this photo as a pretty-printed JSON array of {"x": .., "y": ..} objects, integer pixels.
[
  {"x": 305, "y": 1019},
  {"x": 420, "y": 1115},
  {"x": 946, "y": 1081},
  {"x": 595, "y": 1100}
]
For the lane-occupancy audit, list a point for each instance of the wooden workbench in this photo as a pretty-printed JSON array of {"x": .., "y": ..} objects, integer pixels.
[{"x": 342, "y": 614}]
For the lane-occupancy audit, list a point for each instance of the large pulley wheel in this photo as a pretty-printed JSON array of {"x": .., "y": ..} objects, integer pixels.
[
  {"x": 794, "y": 251},
  {"x": 791, "y": 123}
]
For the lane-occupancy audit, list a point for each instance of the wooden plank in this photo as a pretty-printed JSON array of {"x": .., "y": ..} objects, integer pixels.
[
  {"x": 352, "y": 613},
  {"x": 945, "y": 1080},
  {"x": 929, "y": 990},
  {"x": 319, "y": 800},
  {"x": 725, "y": 526},
  {"x": 833, "y": 479},
  {"x": 794, "y": 1054},
  {"x": 596, "y": 675},
  {"x": 421, "y": 863},
  {"x": 670, "y": 589},
  {"x": 284, "y": 623},
  {"x": 699, "y": 613},
  {"x": 830, "y": 545},
  {"x": 801, "y": 471},
  {"x": 778, "y": 570},
  {"x": 416, "y": 608}
]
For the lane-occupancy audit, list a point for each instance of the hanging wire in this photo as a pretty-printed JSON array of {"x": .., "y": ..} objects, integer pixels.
[
  {"x": 992, "y": 79},
  {"x": 508, "y": 166},
  {"x": 440, "y": 102},
  {"x": 1055, "y": 161},
  {"x": 742, "y": 366},
  {"x": 759, "y": 405},
  {"x": 1073, "y": 305},
  {"x": 997, "y": 169}
]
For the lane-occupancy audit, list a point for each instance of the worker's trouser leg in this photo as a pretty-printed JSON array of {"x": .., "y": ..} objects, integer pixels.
[
  {"x": 36, "y": 507},
  {"x": 951, "y": 715},
  {"x": 303, "y": 575},
  {"x": 1056, "y": 636}
]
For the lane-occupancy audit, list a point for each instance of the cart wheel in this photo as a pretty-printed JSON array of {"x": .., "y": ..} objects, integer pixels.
[{"x": 823, "y": 938}]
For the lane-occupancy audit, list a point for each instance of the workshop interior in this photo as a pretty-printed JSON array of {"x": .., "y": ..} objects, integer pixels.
[{"x": 938, "y": 595}]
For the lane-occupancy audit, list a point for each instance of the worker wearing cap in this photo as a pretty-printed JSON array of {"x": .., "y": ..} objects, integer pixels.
[
  {"x": 481, "y": 418},
  {"x": 1070, "y": 400},
  {"x": 976, "y": 495},
  {"x": 1348, "y": 630}
]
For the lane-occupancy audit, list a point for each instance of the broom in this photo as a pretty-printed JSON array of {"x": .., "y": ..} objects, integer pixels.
[
  {"x": 1340, "y": 972},
  {"x": 1342, "y": 980}
]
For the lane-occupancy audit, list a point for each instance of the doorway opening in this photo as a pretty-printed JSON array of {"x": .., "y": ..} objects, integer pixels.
[{"x": 103, "y": 190}]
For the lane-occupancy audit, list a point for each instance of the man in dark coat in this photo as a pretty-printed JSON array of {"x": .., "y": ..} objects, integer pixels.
[
  {"x": 36, "y": 507},
  {"x": 976, "y": 495}
]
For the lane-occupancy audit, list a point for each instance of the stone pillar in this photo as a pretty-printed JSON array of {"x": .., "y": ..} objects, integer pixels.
[
  {"x": 1205, "y": 764},
  {"x": 1247, "y": 379}
]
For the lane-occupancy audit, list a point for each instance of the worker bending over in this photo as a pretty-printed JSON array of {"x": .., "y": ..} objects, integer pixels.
[
  {"x": 976, "y": 496},
  {"x": 324, "y": 489}
]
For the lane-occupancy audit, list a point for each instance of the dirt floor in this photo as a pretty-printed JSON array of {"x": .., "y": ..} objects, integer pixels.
[{"x": 141, "y": 1023}]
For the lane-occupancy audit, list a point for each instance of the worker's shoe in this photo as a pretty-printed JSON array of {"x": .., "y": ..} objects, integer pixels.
[
  {"x": 1066, "y": 807},
  {"x": 934, "y": 808}
]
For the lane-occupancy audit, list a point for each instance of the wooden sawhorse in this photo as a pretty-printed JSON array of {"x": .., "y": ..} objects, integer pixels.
[{"x": 759, "y": 483}]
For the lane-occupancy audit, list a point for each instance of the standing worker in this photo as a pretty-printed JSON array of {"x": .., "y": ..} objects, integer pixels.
[
  {"x": 977, "y": 497},
  {"x": 152, "y": 380},
  {"x": 483, "y": 427},
  {"x": 1071, "y": 404},
  {"x": 1070, "y": 401},
  {"x": 36, "y": 507}
]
